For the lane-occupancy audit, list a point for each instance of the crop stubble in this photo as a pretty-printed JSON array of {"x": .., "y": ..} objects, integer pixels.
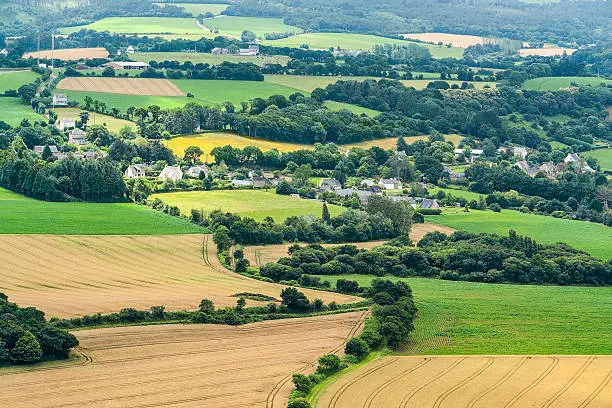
[{"x": 124, "y": 86}]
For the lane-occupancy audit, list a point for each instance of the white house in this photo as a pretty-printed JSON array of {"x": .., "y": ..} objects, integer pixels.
[
  {"x": 135, "y": 171},
  {"x": 77, "y": 137},
  {"x": 60, "y": 100},
  {"x": 66, "y": 124},
  {"x": 579, "y": 163},
  {"x": 171, "y": 173},
  {"x": 571, "y": 158},
  {"x": 390, "y": 184},
  {"x": 130, "y": 50},
  {"x": 196, "y": 170}
]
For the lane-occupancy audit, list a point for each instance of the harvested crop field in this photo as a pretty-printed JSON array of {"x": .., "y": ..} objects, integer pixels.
[
  {"x": 259, "y": 255},
  {"x": 182, "y": 365},
  {"x": 67, "y": 276},
  {"x": 476, "y": 381},
  {"x": 545, "y": 52},
  {"x": 124, "y": 86},
  {"x": 457, "y": 40},
  {"x": 70, "y": 54}
]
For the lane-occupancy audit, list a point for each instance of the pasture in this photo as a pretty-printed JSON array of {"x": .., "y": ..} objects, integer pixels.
[
  {"x": 111, "y": 123},
  {"x": 475, "y": 381},
  {"x": 14, "y": 79},
  {"x": 214, "y": 366},
  {"x": 234, "y": 26},
  {"x": 603, "y": 155},
  {"x": 310, "y": 83},
  {"x": 347, "y": 41},
  {"x": 23, "y": 215},
  {"x": 556, "y": 83},
  {"x": 459, "y": 318},
  {"x": 124, "y": 86},
  {"x": 13, "y": 111},
  {"x": 103, "y": 274},
  {"x": 356, "y": 109},
  {"x": 457, "y": 40},
  {"x": 71, "y": 54},
  {"x": 590, "y": 237},
  {"x": 206, "y": 58},
  {"x": 197, "y": 9},
  {"x": 257, "y": 204},
  {"x": 176, "y": 26}
]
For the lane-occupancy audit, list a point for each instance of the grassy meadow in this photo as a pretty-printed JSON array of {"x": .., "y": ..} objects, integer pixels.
[
  {"x": 590, "y": 237},
  {"x": 111, "y": 123},
  {"x": 206, "y": 58},
  {"x": 603, "y": 155},
  {"x": 13, "y": 110},
  {"x": 177, "y": 26},
  {"x": 310, "y": 83},
  {"x": 14, "y": 79},
  {"x": 555, "y": 83},
  {"x": 356, "y": 109},
  {"x": 234, "y": 26},
  {"x": 348, "y": 41},
  {"x": 482, "y": 318},
  {"x": 197, "y": 9},
  {"x": 257, "y": 204},
  {"x": 23, "y": 215}
]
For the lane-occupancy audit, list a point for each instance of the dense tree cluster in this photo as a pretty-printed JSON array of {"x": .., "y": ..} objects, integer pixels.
[{"x": 26, "y": 336}]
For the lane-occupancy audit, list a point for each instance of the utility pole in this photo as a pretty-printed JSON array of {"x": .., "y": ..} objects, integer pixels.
[{"x": 52, "y": 47}]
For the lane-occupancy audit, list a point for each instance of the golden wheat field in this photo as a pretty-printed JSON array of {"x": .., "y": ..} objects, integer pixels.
[
  {"x": 457, "y": 40},
  {"x": 68, "y": 276},
  {"x": 71, "y": 54},
  {"x": 259, "y": 255},
  {"x": 182, "y": 365},
  {"x": 124, "y": 86},
  {"x": 476, "y": 382}
]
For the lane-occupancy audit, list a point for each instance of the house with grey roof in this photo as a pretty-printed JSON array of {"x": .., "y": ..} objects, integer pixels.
[
  {"x": 171, "y": 173},
  {"x": 430, "y": 203},
  {"x": 135, "y": 171}
]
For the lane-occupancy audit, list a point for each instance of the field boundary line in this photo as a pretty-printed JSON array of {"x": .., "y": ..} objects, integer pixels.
[
  {"x": 570, "y": 382},
  {"x": 461, "y": 383},
  {"x": 408, "y": 397},
  {"x": 502, "y": 380},
  {"x": 533, "y": 384},
  {"x": 597, "y": 390},
  {"x": 385, "y": 385}
]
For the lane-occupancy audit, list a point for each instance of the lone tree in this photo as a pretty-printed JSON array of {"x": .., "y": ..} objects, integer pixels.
[
  {"x": 325, "y": 215},
  {"x": 604, "y": 194}
]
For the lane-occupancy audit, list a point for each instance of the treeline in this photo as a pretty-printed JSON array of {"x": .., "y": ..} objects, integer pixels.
[
  {"x": 26, "y": 337},
  {"x": 461, "y": 256}
]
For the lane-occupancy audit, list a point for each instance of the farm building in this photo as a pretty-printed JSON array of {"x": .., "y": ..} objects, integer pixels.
[
  {"x": 77, "y": 137},
  {"x": 252, "y": 51},
  {"x": 218, "y": 51},
  {"x": 390, "y": 184},
  {"x": 171, "y": 173},
  {"x": 40, "y": 149},
  {"x": 196, "y": 170},
  {"x": 135, "y": 171},
  {"x": 242, "y": 183},
  {"x": 129, "y": 50},
  {"x": 126, "y": 65},
  {"x": 60, "y": 100},
  {"x": 429, "y": 203},
  {"x": 66, "y": 124},
  {"x": 361, "y": 194},
  {"x": 330, "y": 184},
  {"x": 473, "y": 154}
]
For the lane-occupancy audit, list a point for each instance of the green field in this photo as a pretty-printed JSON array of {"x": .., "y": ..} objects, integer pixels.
[
  {"x": 603, "y": 155},
  {"x": 14, "y": 79},
  {"x": 144, "y": 25},
  {"x": 482, "y": 318},
  {"x": 13, "y": 110},
  {"x": 347, "y": 41},
  {"x": 22, "y": 215},
  {"x": 358, "y": 110},
  {"x": 555, "y": 83},
  {"x": 468, "y": 195},
  {"x": 197, "y": 9},
  {"x": 590, "y": 237},
  {"x": 205, "y": 58},
  {"x": 310, "y": 83},
  {"x": 234, "y": 26},
  {"x": 257, "y": 204}
]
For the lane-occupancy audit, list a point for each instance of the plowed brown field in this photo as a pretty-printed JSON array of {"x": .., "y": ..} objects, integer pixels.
[
  {"x": 67, "y": 276},
  {"x": 476, "y": 381},
  {"x": 71, "y": 54},
  {"x": 124, "y": 86},
  {"x": 259, "y": 255},
  {"x": 182, "y": 365}
]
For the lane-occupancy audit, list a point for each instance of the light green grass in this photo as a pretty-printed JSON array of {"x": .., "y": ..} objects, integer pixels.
[
  {"x": 348, "y": 41},
  {"x": 206, "y": 58},
  {"x": 482, "y": 318},
  {"x": 197, "y": 9},
  {"x": 358, "y": 110},
  {"x": 468, "y": 195},
  {"x": 310, "y": 83},
  {"x": 22, "y": 215},
  {"x": 14, "y": 79},
  {"x": 143, "y": 25},
  {"x": 234, "y": 26},
  {"x": 13, "y": 110},
  {"x": 604, "y": 156},
  {"x": 257, "y": 204},
  {"x": 590, "y": 237},
  {"x": 555, "y": 83}
]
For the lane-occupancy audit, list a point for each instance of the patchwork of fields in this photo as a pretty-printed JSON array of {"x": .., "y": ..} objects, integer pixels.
[
  {"x": 233, "y": 26},
  {"x": 104, "y": 274},
  {"x": 469, "y": 381},
  {"x": 72, "y": 54},
  {"x": 182, "y": 365}
]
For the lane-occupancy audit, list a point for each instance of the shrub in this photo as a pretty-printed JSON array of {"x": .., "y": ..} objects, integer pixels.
[
  {"x": 299, "y": 403},
  {"x": 495, "y": 207},
  {"x": 329, "y": 364},
  {"x": 302, "y": 383},
  {"x": 357, "y": 347},
  {"x": 27, "y": 349},
  {"x": 430, "y": 211}
]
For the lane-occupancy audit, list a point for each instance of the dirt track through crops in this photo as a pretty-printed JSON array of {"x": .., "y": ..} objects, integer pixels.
[
  {"x": 476, "y": 382},
  {"x": 67, "y": 276},
  {"x": 124, "y": 86},
  {"x": 181, "y": 365}
]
